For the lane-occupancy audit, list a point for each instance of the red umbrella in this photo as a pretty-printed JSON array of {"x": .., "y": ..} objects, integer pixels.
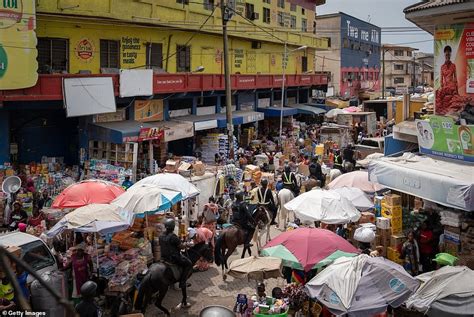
[
  {"x": 308, "y": 248},
  {"x": 87, "y": 192}
]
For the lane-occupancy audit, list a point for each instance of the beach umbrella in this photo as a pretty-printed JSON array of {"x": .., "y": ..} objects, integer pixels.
[
  {"x": 364, "y": 163},
  {"x": 308, "y": 248},
  {"x": 352, "y": 109},
  {"x": 323, "y": 205},
  {"x": 256, "y": 268},
  {"x": 147, "y": 198},
  {"x": 362, "y": 286},
  {"x": 358, "y": 179},
  {"x": 356, "y": 196},
  {"x": 448, "y": 291},
  {"x": 87, "y": 192},
  {"x": 173, "y": 182},
  {"x": 334, "y": 112},
  {"x": 94, "y": 218}
]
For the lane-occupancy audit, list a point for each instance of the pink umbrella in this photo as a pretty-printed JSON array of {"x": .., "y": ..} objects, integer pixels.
[
  {"x": 308, "y": 248},
  {"x": 87, "y": 192},
  {"x": 357, "y": 179},
  {"x": 352, "y": 109}
]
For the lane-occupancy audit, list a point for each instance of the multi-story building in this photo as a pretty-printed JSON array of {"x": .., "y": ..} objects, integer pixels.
[
  {"x": 353, "y": 55},
  {"x": 176, "y": 38},
  {"x": 399, "y": 63},
  {"x": 424, "y": 68}
]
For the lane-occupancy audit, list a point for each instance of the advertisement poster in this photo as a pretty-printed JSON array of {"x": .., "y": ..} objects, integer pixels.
[
  {"x": 442, "y": 137},
  {"x": 454, "y": 68},
  {"x": 18, "y": 65},
  {"x": 151, "y": 134},
  {"x": 149, "y": 110}
]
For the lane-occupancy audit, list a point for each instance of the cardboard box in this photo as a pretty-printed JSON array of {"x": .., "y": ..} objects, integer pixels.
[
  {"x": 252, "y": 168},
  {"x": 366, "y": 217},
  {"x": 451, "y": 248},
  {"x": 393, "y": 200},
  {"x": 396, "y": 241},
  {"x": 199, "y": 168},
  {"x": 171, "y": 166},
  {"x": 393, "y": 255},
  {"x": 385, "y": 235},
  {"x": 396, "y": 225},
  {"x": 391, "y": 211},
  {"x": 303, "y": 169},
  {"x": 382, "y": 223}
]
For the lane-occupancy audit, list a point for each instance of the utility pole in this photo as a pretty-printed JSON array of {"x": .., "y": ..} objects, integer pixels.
[
  {"x": 283, "y": 78},
  {"x": 414, "y": 74},
  {"x": 383, "y": 72},
  {"x": 226, "y": 16}
]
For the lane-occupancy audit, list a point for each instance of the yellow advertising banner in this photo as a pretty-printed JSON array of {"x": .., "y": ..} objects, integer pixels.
[
  {"x": 18, "y": 65},
  {"x": 149, "y": 110}
]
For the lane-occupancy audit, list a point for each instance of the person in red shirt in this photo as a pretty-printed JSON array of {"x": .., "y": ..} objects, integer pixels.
[
  {"x": 426, "y": 247},
  {"x": 37, "y": 217}
]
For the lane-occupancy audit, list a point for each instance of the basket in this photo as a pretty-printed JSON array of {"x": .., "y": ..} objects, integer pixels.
[{"x": 273, "y": 315}]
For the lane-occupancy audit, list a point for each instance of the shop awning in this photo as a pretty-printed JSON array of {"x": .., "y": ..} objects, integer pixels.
[
  {"x": 276, "y": 111},
  {"x": 200, "y": 123},
  {"x": 219, "y": 120},
  {"x": 116, "y": 132},
  {"x": 174, "y": 129},
  {"x": 248, "y": 116},
  {"x": 444, "y": 182},
  {"x": 306, "y": 109}
]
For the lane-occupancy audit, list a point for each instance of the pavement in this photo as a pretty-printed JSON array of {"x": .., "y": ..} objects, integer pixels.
[{"x": 209, "y": 288}]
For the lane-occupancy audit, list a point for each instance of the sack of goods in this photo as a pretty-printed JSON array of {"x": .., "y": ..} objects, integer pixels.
[{"x": 364, "y": 234}]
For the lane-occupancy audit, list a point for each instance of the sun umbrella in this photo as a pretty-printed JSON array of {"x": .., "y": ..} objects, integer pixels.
[
  {"x": 352, "y": 109},
  {"x": 323, "y": 205},
  {"x": 364, "y": 163},
  {"x": 256, "y": 268},
  {"x": 308, "y": 248},
  {"x": 87, "y": 192},
  {"x": 147, "y": 198},
  {"x": 358, "y": 179},
  {"x": 448, "y": 291},
  {"x": 334, "y": 112},
  {"x": 100, "y": 218},
  {"x": 171, "y": 181},
  {"x": 361, "y": 286},
  {"x": 356, "y": 196}
]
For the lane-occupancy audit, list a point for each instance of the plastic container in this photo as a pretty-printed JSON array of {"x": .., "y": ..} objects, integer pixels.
[{"x": 273, "y": 315}]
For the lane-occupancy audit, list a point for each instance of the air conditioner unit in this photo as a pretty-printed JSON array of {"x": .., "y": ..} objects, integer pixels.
[
  {"x": 254, "y": 16},
  {"x": 256, "y": 44}
]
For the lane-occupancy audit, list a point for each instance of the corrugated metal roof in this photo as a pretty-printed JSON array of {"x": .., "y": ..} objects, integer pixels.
[{"x": 431, "y": 4}]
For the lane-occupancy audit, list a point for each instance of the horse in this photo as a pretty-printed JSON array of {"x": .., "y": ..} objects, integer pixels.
[
  {"x": 161, "y": 276},
  {"x": 284, "y": 196},
  {"x": 264, "y": 217},
  {"x": 230, "y": 238},
  {"x": 347, "y": 166},
  {"x": 334, "y": 173}
]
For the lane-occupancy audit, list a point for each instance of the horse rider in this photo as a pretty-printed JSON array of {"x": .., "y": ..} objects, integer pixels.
[
  {"x": 348, "y": 154},
  {"x": 316, "y": 172},
  {"x": 171, "y": 246},
  {"x": 289, "y": 180},
  {"x": 338, "y": 160},
  {"x": 241, "y": 216},
  {"x": 265, "y": 198}
]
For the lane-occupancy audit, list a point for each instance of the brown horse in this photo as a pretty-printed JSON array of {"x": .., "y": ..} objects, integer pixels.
[{"x": 232, "y": 237}]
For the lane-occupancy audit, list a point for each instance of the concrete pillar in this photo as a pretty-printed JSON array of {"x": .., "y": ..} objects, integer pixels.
[
  {"x": 4, "y": 136},
  {"x": 194, "y": 107}
]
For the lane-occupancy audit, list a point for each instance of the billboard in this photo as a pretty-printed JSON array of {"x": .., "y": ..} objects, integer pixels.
[
  {"x": 454, "y": 68},
  {"x": 149, "y": 110},
  {"x": 18, "y": 65},
  {"x": 440, "y": 136}
]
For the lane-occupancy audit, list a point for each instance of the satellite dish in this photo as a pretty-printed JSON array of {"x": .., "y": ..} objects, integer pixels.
[{"x": 11, "y": 184}]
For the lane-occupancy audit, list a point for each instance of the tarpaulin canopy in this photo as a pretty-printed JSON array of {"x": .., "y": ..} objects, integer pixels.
[
  {"x": 358, "y": 179},
  {"x": 256, "y": 268},
  {"x": 171, "y": 181},
  {"x": 356, "y": 196},
  {"x": 444, "y": 182}
]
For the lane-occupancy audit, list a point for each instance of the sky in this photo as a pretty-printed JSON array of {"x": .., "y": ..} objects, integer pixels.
[{"x": 383, "y": 13}]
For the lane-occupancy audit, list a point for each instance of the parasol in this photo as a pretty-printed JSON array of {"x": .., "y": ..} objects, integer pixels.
[
  {"x": 361, "y": 286},
  {"x": 308, "y": 248},
  {"x": 356, "y": 196},
  {"x": 334, "y": 112},
  {"x": 173, "y": 182},
  {"x": 358, "y": 179},
  {"x": 256, "y": 268},
  {"x": 87, "y": 192},
  {"x": 323, "y": 205}
]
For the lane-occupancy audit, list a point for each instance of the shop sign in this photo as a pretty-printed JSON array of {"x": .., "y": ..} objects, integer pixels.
[
  {"x": 205, "y": 125},
  {"x": 149, "y": 110},
  {"x": 178, "y": 132},
  {"x": 254, "y": 117},
  {"x": 127, "y": 139},
  {"x": 118, "y": 115},
  {"x": 452, "y": 236},
  {"x": 151, "y": 134},
  {"x": 454, "y": 67},
  {"x": 18, "y": 65},
  {"x": 440, "y": 136},
  {"x": 85, "y": 50}
]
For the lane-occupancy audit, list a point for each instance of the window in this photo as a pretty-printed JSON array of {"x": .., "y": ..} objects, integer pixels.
[
  {"x": 209, "y": 4},
  {"x": 304, "y": 64},
  {"x": 329, "y": 41},
  {"x": 409, "y": 53},
  {"x": 398, "y": 52},
  {"x": 52, "y": 55},
  {"x": 293, "y": 22},
  {"x": 292, "y": 7},
  {"x": 398, "y": 80},
  {"x": 266, "y": 15},
  {"x": 304, "y": 25},
  {"x": 398, "y": 66},
  {"x": 281, "y": 4},
  {"x": 267, "y": 1},
  {"x": 281, "y": 21},
  {"x": 303, "y": 11},
  {"x": 249, "y": 10},
  {"x": 154, "y": 55},
  {"x": 183, "y": 58},
  {"x": 109, "y": 54},
  {"x": 314, "y": 27},
  {"x": 182, "y": 1},
  {"x": 37, "y": 255}
]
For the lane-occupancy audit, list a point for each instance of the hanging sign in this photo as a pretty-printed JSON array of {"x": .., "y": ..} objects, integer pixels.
[{"x": 151, "y": 134}]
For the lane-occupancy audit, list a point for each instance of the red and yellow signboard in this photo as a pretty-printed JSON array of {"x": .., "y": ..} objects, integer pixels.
[
  {"x": 151, "y": 134},
  {"x": 149, "y": 110}
]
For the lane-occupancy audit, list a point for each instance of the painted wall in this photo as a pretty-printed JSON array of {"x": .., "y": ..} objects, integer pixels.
[{"x": 205, "y": 49}]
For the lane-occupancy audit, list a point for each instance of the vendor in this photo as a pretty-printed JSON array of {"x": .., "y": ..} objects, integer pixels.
[
  {"x": 81, "y": 265},
  {"x": 45, "y": 201},
  {"x": 37, "y": 217},
  {"x": 411, "y": 254},
  {"x": 127, "y": 183},
  {"x": 17, "y": 216}
]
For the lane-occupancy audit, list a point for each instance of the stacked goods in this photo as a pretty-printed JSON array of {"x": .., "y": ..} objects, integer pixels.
[
  {"x": 216, "y": 143},
  {"x": 366, "y": 217},
  {"x": 452, "y": 221},
  {"x": 383, "y": 239},
  {"x": 378, "y": 205},
  {"x": 392, "y": 209},
  {"x": 394, "y": 255},
  {"x": 467, "y": 241}
]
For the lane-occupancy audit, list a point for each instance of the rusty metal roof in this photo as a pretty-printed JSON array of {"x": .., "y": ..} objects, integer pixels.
[{"x": 432, "y": 4}]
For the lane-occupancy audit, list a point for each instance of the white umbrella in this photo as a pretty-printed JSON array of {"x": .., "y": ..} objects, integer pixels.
[
  {"x": 334, "y": 112},
  {"x": 147, "y": 198},
  {"x": 100, "y": 218},
  {"x": 361, "y": 286},
  {"x": 256, "y": 268},
  {"x": 323, "y": 205},
  {"x": 357, "y": 196},
  {"x": 358, "y": 179},
  {"x": 171, "y": 181}
]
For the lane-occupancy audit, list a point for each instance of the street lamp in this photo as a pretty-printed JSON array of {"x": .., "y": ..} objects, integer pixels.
[{"x": 285, "y": 56}]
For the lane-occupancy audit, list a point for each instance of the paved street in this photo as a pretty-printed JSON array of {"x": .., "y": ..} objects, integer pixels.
[{"x": 208, "y": 288}]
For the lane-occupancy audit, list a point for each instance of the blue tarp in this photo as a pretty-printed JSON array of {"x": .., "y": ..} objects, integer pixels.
[{"x": 276, "y": 112}]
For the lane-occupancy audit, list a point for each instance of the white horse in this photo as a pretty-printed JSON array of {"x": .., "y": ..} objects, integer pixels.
[
  {"x": 333, "y": 173},
  {"x": 284, "y": 196},
  {"x": 263, "y": 227}
]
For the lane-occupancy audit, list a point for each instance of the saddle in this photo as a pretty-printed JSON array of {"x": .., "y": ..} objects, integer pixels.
[{"x": 175, "y": 269}]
